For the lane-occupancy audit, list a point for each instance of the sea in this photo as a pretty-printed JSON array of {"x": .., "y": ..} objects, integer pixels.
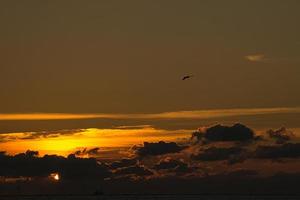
[{"x": 153, "y": 197}]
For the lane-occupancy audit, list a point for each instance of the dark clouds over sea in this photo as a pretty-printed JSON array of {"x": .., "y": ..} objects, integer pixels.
[{"x": 214, "y": 160}]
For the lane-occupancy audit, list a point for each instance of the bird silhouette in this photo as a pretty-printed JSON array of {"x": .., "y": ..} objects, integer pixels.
[{"x": 187, "y": 77}]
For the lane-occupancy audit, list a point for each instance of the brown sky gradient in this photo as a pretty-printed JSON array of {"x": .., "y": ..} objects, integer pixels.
[
  {"x": 129, "y": 56},
  {"x": 99, "y": 84}
]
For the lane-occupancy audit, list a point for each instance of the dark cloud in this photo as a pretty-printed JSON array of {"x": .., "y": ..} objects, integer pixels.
[
  {"x": 238, "y": 154},
  {"x": 239, "y": 158},
  {"x": 153, "y": 149},
  {"x": 197, "y": 136},
  {"x": 184, "y": 169},
  {"x": 243, "y": 136},
  {"x": 173, "y": 165},
  {"x": 237, "y": 132},
  {"x": 218, "y": 153},
  {"x": 30, "y": 165},
  {"x": 150, "y": 167},
  {"x": 281, "y": 135},
  {"x": 123, "y": 163},
  {"x": 88, "y": 152},
  {"x": 169, "y": 163},
  {"x": 287, "y": 150},
  {"x": 135, "y": 170}
]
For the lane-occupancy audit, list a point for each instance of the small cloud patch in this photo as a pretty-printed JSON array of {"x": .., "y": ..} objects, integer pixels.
[
  {"x": 256, "y": 58},
  {"x": 159, "y": 148}
]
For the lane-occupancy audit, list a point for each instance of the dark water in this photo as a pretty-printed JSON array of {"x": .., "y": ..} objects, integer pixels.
[{"x": 154, "y": 197}]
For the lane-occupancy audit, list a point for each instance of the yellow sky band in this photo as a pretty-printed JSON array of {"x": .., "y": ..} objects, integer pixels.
[{"x": 195, "y": 114}]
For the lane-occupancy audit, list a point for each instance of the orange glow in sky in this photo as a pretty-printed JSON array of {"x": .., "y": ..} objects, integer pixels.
[{"x": 88, "y": 138}]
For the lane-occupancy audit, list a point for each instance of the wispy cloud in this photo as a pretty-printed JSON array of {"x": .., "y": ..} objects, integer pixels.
[
  {"x": 6, "y": 137},
  {"x": 195, "y": 114},
  {"x": 256, "y": 58},
  {"x": 134, "y": 127}
]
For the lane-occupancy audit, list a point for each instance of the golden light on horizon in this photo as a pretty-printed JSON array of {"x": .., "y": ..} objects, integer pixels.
[{"x": 55, "y": 176}]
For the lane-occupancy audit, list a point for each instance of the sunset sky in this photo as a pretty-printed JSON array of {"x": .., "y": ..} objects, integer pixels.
[
  {"x": 128, "y": 57},
  {"x": 76, "y": 76}
]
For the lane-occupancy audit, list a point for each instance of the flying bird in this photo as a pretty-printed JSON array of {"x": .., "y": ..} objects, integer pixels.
[{"x": 187, "y": 77}]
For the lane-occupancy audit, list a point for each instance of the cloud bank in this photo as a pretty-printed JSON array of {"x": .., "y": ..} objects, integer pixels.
[{"x": 220, "y": 154}]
